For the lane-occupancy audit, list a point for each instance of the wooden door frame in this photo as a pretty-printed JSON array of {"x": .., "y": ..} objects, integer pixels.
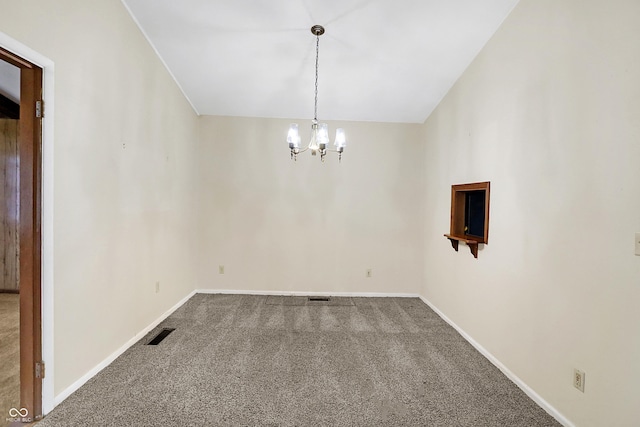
[{"x": 30, "y": 230}]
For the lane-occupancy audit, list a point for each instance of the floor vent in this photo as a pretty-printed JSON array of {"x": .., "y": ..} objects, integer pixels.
[
  {"x": 309, "y": 301},
  {"x": 161, "y": 335}
]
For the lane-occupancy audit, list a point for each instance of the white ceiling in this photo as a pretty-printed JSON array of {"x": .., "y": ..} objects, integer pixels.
[
  {"x": 10, "y": 81},
  {"x": 380, "y": 60}
]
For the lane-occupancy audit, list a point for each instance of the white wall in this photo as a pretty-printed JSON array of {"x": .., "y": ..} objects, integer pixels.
[
  {"x": 123, "y": 183},
  {"x": 549, "y": 113},
  {"x": 280, "y": 225}
]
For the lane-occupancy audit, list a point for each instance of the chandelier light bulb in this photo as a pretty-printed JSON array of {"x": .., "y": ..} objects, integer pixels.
[
  {"x": 293, "y": 137},
  {"x": 323, "y": 136},
  {"x": 341, "y": 139}
]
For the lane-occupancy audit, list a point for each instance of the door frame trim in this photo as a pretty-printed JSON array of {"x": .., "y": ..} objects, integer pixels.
[{"x": 46, "y": 258}]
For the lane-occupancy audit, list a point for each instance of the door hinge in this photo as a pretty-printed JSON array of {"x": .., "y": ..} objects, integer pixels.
[
  {"x": 40, "y": 370},
  {"x": 39, "y": 109}
]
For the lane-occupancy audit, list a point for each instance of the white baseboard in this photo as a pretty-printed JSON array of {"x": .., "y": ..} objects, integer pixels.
[
  {"x": 304, "y": 294},
  {"x": 86, "y": 377},
  {"x": 513, "y": 377}
]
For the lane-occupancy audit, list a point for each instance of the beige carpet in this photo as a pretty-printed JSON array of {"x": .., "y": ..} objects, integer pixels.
[{"x": 9, "y": 354}]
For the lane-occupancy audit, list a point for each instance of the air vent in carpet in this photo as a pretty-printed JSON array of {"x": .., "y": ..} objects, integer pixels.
[
  {"x": 323, "y": 299},
  {"x": 161, "y": 335}
]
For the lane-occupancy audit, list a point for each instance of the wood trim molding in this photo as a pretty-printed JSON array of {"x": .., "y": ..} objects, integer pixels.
[
  {"x": 30, "y": 241},
  {"x": 12, "y": 59}
]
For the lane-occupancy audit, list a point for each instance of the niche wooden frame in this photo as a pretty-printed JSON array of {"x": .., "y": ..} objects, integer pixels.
[{"x": 457, "y": 231}]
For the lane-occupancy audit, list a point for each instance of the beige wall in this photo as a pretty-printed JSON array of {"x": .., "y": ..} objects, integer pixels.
[
  {"x": 280, "y": 225},
  {"x": 123, "y": 182},
  {"x": 549, "y": 113}
]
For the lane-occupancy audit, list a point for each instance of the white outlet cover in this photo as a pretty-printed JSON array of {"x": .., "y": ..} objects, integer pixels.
[{"x": 638, "y": 244}]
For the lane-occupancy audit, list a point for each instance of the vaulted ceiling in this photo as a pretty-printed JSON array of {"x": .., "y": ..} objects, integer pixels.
[{"x": 380, "y": 60}]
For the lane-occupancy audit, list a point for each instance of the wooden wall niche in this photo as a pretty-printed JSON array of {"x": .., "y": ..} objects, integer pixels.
[
  {"x": 469, "y": 215},
  {"x": 9, "y": 209}
]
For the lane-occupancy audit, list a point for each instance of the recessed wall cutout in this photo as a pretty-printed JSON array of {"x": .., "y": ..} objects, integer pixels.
[{"x": 469, "y": 215}]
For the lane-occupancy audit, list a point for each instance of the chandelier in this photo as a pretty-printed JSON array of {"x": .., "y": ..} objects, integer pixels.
[{"x": 319, "y": 132}]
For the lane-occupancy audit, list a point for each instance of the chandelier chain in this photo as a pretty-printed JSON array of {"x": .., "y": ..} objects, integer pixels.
[{"x": 315, "y": 111}]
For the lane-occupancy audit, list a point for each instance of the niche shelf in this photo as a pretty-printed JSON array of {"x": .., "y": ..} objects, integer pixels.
[
  {"x": 469, "y": 215},
  {"x": 473, "y": 245}
]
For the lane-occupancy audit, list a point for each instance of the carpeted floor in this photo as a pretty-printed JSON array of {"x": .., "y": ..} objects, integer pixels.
[
  {"x": 9, "y": 354},
  {"x": 271, "y": 361}
]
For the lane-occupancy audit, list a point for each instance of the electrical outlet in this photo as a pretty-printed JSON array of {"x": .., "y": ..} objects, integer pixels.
[
  {"x": 369, "y": 272},
  {"x": 157, "y": 287},
  {"x": 221, "y": 269},
  {"x": 637, "y": 243},
  {"x": 578, "y": 379}
]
